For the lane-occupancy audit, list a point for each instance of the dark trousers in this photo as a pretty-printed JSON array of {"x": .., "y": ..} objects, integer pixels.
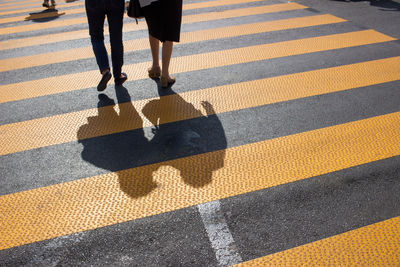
[{"x": 96, "y": 11}]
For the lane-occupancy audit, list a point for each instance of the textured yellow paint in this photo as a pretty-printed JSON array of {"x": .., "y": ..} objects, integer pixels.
[
  {"x": 216, "y": 3},
  {"x": 81, "y": 10},
  {"x": 39, "y": 8},
  {"x": 78, "y": 81},
  {"x": 63, "y": 128},
  {"x": 40, "y": 26},
  {"x": 40, "y": 15},
  {"x": 128, "y": 27},
  {"x": 186, "y": 37},
  {"x": 133, "y": 26},
  {"x": 126, "y": 195},
  {"x": 374, "y": 245},
  {"x": 7, "y": 6},
  {"x": 206, "y": 4}
]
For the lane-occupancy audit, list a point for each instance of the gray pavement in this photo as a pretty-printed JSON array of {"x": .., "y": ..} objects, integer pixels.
[{"x": 260, "y": 222}]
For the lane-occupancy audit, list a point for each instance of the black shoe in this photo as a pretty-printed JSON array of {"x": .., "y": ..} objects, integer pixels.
[
  {"x": 119, "y": 80},
  {"x": 45, "y": 4},
  {"x": 103, "y": 82}
]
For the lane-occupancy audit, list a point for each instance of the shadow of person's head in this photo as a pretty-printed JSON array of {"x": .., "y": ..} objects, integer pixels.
[
  {"x": 188, "y": 134},
  {"x": 198, "y": 171},
  {"x": 137, "y": 182}
]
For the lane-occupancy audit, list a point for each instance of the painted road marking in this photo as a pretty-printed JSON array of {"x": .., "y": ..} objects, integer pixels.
[
  {"x": 132, "y": 25},
  {"x": 214, "y": 3},
  {"x": 63, "y": 128},
  {"x": 27, "y": 10},
  {"x": 218, "y": 233},
  {"x": 128, "y": 27},
  {"x": 82, "y": 11},
  {"x": 14, "y": 6},
  {"x": 117, "y": 197},
  {"x": 373, "y": 245},
  {"x": 83, "y": 80},
  {"x": 186, "y": 37}
]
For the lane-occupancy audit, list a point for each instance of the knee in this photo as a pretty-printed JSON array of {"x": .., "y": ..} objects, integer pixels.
[{"x": 96, "y": 37}]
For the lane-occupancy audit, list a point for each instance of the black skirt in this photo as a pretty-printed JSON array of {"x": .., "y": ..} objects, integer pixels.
[{"x": 163, "y": 19}]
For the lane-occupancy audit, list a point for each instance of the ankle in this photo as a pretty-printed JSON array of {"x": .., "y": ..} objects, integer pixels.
[{"x": 104, "y": 71}]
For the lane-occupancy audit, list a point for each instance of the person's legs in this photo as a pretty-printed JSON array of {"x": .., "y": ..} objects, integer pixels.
[
  {"x": 166, "y": 57},
  {"x": 154, "y": 71},
  {"x": 95, "y": 14},
  {"x": 166, "y": 79},
  {"x": 155, "y": 50},
  {"x": 115, "y": 15}
]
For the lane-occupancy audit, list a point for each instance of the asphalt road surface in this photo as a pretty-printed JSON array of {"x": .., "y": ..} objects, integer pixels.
[{"x": 278, "y": 145}]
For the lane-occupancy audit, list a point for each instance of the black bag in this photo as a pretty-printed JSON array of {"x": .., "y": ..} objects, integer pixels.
[{"x": 134, "y": 10}]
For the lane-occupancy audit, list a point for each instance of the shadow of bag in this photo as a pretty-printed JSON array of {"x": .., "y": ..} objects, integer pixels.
[{"x": 134, "y": 10}]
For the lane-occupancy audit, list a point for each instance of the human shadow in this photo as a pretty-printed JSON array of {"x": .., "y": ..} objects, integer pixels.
[
  {"x": 45, "y": 15},
  {"x": 135, "y": 157},
  {"x": 385, "y": 5},
  {"x": 203, "y": 133}
]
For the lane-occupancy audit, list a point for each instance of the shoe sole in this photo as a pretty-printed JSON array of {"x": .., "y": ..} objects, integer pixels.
[{"x": 103, "y": 82}]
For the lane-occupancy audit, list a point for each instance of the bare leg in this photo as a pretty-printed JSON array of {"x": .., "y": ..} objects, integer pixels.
[
  {"x": 166, "y": 57},
  {"x": 155, "y": 49},
  {"x": 104, "y": 71}
]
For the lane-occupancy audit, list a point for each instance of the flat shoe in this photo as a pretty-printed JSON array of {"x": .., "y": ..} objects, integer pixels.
[
  {"x": 103, "y": 82},
  {"x": 120, "y": 81},
  {"x": 154, "y": 72}
]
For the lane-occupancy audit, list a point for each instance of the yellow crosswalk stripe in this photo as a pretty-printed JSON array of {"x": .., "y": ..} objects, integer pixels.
[
  {"x": 71, "y": 82},
  {"x": 14, "y": 5},
  {"x": 186, "y": 37},
  {"x": 373, "y": 245},
  {"x": 13, "y": 2},
  {"x": 128, "y": 27},
  {"x": 98, "y": 201},
  {"x": 40, "y": 8},
  {"x": 185, "y": 19},
  {"x": 199, "y": 4},
  {"x": 51, "y": 14},
  {"x": 17, "y": 3},
  {"x": 63, "y": 128},
  {"x": 23, "y": 5},
  {"x": 215, "y": 3},
  {"x": 208, "y": 4},
  {"x": 116, "y": 197},
  {"x": 48, "y": 25}
]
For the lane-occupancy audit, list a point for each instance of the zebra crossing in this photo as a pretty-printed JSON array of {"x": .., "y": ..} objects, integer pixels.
[{"x": 273, "y": 100}]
